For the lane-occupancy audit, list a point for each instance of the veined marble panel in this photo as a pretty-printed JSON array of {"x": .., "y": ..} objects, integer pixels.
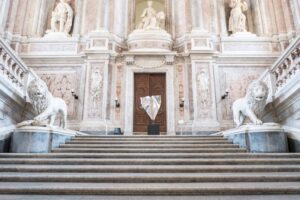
[
  {"x": 61, "y": 81},
  {"x": 50, "y": 46},
  {"x": 236, "y": 80}
]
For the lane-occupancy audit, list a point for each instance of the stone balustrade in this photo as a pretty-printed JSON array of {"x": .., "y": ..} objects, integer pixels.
[
  {"x": 13, "y": 69},
  {"x": 287, "y": 66}
]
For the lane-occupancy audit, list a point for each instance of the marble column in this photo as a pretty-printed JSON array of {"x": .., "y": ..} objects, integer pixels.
[
  {"x": 99, "y": 15},
  {"x": 258, "y": 21},
  {"x": 78, "y": 17},
  {"x": 295, "y": 7},
  {"x": 179, "y": 17},
  {"x": 222, "y": 18},
  {"x": 106, "y": 13},
  {"x": 4, "y": 7},
  {"x": 197, "y": 14},
  {"x": 120, "y": 21}
]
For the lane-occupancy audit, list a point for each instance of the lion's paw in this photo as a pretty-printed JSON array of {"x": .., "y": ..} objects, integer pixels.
[{"x": 258, "y": 122}]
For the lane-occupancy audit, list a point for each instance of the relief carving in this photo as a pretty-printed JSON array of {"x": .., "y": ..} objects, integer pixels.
[
  {"x": 95, "y": 93},
  {"x": 203, "y": 89}
]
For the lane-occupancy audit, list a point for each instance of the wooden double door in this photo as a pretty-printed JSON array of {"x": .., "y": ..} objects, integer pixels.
[{"x": 146, "y": 84}]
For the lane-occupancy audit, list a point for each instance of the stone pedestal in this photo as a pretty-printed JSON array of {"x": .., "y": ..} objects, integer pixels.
[
  {"x": 149, "y": 40},
  {"x": 153, "y": 129},
  {"x": 55, "y": 35},
  {"x": 269, "y": 137},
  {"x": 243, "y": 35},
  {"x": 33, "y": 139}
]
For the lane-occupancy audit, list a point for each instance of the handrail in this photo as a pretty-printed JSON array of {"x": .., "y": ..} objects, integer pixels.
[
  {"x": 288, "y": 65},
  {"x": 13, "y": 69}
]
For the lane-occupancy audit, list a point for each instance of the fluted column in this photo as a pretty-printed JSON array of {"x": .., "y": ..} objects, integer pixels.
[
  {"x": 106, "y": 13},
  {"x": 120, "y": 17},
  {"x": 295, "y": 7},
  {"x": 258, "y": 18},
  {"x": 4, "y": 7},
  {"x": 197, "y": 14},
  {"x": 222, "y": 18},
  {"x": 78, "y": 17}
]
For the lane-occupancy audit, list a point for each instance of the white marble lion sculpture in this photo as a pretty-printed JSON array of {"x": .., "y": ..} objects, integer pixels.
[
  {"x": 252, "y": 105},
  {"x": 45, "y": 105}
]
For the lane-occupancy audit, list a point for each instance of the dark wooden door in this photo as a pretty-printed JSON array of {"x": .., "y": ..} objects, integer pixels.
[{"x": 148, "y": 85}]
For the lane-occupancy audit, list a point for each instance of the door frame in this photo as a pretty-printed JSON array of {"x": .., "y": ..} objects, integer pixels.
[
  {"x": 129, "y": 96},
  {"x": 163, "y": 99}
]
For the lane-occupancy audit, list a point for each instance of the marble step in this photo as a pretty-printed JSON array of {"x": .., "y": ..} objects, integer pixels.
[
  {"x": 144, "y": 155},
  {"x": 149, "y": 168},
  {"x": 150, "y": 197},
  {"x": 219, "y": 188},
  {"x": 142, "y": 146},
  {"x": 148, "y": 139},
  {"x": 150, "y": 155},
  {"x": 149, "y": 150},
  {"x": 148, "y": 142},
  {"x": 151, "y": 161},
  {"x": 177, "y": 137},
  {"x": 150, "y": 177}
]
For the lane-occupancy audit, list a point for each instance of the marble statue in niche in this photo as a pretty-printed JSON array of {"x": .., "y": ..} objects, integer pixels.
[
  {"x": 237, "y": 20},
  {"x": 62, "y": 18},
  {"x": 203, "y": 87},
  {"x": 96, "y": 87},
  {"x": 151, "y": 20}
]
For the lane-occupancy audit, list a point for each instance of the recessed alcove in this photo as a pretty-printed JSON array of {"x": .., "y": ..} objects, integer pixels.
[{"x": 140, "y": 5}]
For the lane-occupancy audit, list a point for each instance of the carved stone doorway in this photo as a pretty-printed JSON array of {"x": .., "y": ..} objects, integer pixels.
[{"x": 148, "y": 84}]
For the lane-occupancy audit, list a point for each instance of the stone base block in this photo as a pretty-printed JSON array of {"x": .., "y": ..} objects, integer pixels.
[
  {"x": 269, "y": 137},
  {"x": 32, "y": 139},
  {"x": 150, "y": 40},
  {"x": 5, "y": 142}
]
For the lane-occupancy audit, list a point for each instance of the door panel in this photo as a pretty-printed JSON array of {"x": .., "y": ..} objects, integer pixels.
[{"x": 148, "y": 85}]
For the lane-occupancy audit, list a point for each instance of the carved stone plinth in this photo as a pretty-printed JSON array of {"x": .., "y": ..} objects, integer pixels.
[
  {"x": 33, "y": 139},
  {"x": 269, "y": 137},
  {"x": 56, "y": 35},
  {"x": 149, "y": 41},
  {"x": 243, "y": 35}
]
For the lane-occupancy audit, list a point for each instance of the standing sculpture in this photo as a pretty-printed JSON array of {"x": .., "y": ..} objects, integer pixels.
[
  {"x": 62, "y": 18},
  {"x": 237, "y": 20},
  {"x": 151, "y": 105},
  {"x": 151, "y": 20},
  {"x": 252, "y": 105},
  {"x": 45, "y": 106}
]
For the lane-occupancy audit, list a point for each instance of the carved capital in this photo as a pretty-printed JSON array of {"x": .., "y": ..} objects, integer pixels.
[
  {"x": 170, "y": 59},
  {"x": 129, "y": 60}
]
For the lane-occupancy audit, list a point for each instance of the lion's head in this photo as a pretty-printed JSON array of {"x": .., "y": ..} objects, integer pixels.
[
  {"x": 39, "y": 95},
  {"x": 257, "y": 95}
]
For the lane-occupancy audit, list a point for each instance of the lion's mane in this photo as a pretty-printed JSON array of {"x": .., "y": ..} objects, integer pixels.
[
  {"x": 39, "y": 96},
  {"x": 256, "y": 106}
]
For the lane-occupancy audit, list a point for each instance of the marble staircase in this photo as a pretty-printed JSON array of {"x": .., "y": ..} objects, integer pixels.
[{"x": 149, "y": 167}]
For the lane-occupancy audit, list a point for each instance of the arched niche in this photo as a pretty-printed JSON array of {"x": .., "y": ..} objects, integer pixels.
[
  {"x": 140, "y": 5},
  {"x": 250, "y": 26},
  {"x": 51, "y": 6},
  {"x": 136, "y": 8}
]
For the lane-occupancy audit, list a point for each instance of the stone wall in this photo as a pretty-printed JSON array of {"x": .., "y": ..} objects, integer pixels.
[{"x": 94, "y": 61}]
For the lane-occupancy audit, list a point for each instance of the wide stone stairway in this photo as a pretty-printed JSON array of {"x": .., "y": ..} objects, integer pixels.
[{"x": 149, "y": 167}]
